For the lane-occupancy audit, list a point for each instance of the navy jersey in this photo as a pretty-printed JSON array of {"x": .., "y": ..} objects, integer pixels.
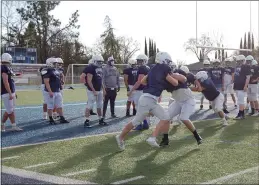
[
  {"x": 254, "y": 74},
  {"x": 228, "y": 70},
  {"x": 144, "y": 71},
  {"x": 9, "y": 72},
  {"x": 210, "y": 91},
  {"x": 240, "y": 76},
  {"x": 54, "y": 78},
  {"x": 61, "y": 71},
  {"x": 97, "y": 73},
  {"x": 216, "y": 75},
  {"x": 132, "y": 75},
  {"x": 156, "y": 80}
]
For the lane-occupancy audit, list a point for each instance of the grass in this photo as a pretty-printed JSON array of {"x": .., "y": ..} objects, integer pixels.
[
  {"x": 183, "y": 162},
  {"x": 34, "y": 97}
]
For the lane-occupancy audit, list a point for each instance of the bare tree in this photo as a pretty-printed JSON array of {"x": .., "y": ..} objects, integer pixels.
[
  {"x": 128, "y": 47},
  {"x": 180, "y": 63}
]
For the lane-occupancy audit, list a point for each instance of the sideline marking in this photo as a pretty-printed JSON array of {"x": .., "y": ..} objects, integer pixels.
[
  {"x": 36, "y": 165},
  {"x": 231, "y": 175},
  {"x": 41, "y": 177},
  {"x": 128, "y": 180},
  {"x": 12, "y": 157},
  {"x": 79, "y": 172}
]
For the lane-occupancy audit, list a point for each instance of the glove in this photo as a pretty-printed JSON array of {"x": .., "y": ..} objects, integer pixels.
[
  {"x": 128, "y": 89},
  {"x": 118, "y": 89}
]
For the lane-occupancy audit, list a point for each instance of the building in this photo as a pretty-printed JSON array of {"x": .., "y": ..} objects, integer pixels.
[{"x": 22, "y": 55}]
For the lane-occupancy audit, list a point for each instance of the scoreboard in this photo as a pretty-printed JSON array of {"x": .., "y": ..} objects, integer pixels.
[{"x": 22, "y": 55}]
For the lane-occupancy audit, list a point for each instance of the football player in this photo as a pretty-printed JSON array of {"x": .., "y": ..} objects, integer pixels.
[
  {"x": 205, "y": 85},
  {"x": 8, "y": 92},
  {"x": 252, "y": 86},
  {"x": 90, "y": 62},
  {"x": 156, "y": 82},
  {"x": 206, "y": 67},
  {"x": 228, "y": 81},
  {"x": 130, "y": 78},
  {"x": 45, "y": 109},
  {"x": 52, "y": 92},
  {"x": 137, "y": 89},
  {"x": 95, "y": 91},
  {"x": 183, "y": 105},
  {"x": 241, "y": 81}
]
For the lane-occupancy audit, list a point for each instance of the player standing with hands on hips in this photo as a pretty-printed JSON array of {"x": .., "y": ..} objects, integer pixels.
[
  {"x": 111, "y": 83},
  {"x": 8, "y": 91}
]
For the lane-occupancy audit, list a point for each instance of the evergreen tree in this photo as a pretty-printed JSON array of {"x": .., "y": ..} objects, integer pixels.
[
  {"x": 249, "y": 41},
  {"x": 216, "y": 55},
  {"x": 154, "y": 49},
  {"x": 149, "y": 48},
  {"x": 245, "y": 45},
  {"x": 146, "y": 47},
  {"x": 241, "y": 44},
  {"x": 157, "y": 50},
  {"x": 219, "y": 54},
  {"x": 253, "y": 45},
  {"x": 226, "y": 56}
]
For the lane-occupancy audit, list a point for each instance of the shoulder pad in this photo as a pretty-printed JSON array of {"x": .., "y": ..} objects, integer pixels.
[{"x": 44, "y": 71}]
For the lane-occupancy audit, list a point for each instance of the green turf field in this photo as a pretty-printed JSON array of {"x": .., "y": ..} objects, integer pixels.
[
  {"x": 34, "y": 97},
  {"x": 225, "y": 151}
]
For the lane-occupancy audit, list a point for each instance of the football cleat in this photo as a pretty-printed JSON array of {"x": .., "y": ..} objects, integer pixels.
[{"x": 120, "y": 143}]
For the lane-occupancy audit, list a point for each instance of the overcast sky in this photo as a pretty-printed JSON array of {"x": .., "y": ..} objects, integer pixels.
[{"x": 169, "y": 23}]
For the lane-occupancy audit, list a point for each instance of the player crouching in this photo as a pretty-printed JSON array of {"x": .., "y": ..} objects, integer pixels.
[
  {"x": 8, "y": 91},
  {"x": 210, "y": 92},
  {"x": 52, "y": 90}
]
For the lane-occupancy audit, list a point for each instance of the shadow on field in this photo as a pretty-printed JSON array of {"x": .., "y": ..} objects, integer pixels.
[
  {"x": 238, "y": 131},
  {"x": 153, "y": 171},
  {"x": 104, "y": 149}
]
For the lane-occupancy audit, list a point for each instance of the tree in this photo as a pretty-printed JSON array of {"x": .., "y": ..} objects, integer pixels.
[
  {"x": 216, "y": 55},
  {"x": 180, "y": 63},
  {"x": 154, "y": 49},
  {"x": 204, "y": 40},
  {"x": 149, "y": 48},
  {"x": 241, "y": 44},
  {"x": 253, "y": 46},
  {"x": 157, "y": 50},
  {"x": 245, "y": 45},
  {"x": 226, "y": 55},
  {"x": 47, "y": 27},
  {"x": 152, "y": 52},
  {"x": 146, "y": 53}
]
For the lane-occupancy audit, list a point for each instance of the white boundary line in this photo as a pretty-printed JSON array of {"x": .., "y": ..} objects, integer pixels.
[
  {"x": 128, "y": 180},
  {"x": 79, "y": 172},
  {"x": 231, "y": 175},
  {"x": 81, "y": 137},
  {"x": 12, "y": 157},
  {"x": 37, "y": 165},
  {"x": 41, "y": 177}
]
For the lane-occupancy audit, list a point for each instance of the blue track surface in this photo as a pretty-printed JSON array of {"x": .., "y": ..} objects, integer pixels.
[{"x": 37, "y": 130}]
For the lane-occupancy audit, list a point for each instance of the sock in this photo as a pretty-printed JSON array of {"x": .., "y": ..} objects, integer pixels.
[
  {"x": 196, "y": 135},
  {"x": 165, "y": 137},
  {"x": 253, "y": 110},
  {"x": 145, "y": 121},
  {"x": 62, "y": 118},
  {"x": 100, "y": 117},
  {"x": 50, "y": 118},
  {"x": 242, "y": 113},
  {"x": 13, "y": 124}
]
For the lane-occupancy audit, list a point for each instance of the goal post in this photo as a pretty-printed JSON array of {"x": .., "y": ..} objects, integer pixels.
[{"x": 72, "y": 76}]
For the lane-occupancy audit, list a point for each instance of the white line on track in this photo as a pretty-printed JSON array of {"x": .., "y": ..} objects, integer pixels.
[
  {"x": 41, "y": 177},
  {"x": 128, "y": 180},
  {"x": 224, "y": 178},
  {"x": 12, "y": 157},
  {"x": 78, "y": 172},
  {"x": 37, "y": 165},
  {"x": 81, "y": 137}
]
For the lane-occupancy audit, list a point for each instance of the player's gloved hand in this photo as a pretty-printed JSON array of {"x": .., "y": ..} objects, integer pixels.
[
  {"x": 118, "y": 89},
  {"x": 128, "y": 89}
]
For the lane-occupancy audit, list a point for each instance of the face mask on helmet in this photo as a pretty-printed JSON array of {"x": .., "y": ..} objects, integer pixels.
[
  {"x": 98, "y": 63},
  {"x": 206, "y": 65},
  {"x": 140, "y": 62},
  {"x": 111, "y": 62},
  {"x": 216, "y": 64},
  {"x": 240, "y": 62},
  {"x": 248, "y": 62},
  {"x": 228, "y": 63}
]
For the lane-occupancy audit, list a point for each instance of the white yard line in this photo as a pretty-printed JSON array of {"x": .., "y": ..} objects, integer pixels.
[
  {"x": 224, "y": 178},
  {"x": 41, "y": 177},
  {"x": 78, "y": 172},
  {"x": 128, "y": 180},
  {"x": 37, "y": 165},
  {"x": 12, "y": 157}
]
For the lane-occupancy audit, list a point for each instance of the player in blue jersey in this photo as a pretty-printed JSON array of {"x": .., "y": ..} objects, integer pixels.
[
  {"x": 8, "y": 92},
  {"x": 45, "y": 109},
  {"x": 156, "y": 82},
  {"x": 241, "y": 81},
  {"x": 137, "y": 89},
  {"x": 228, "y": 82},
  {"x": 130, "y": 78},
  {"x": 252, "y": 86},
  {"x": 206, "y": 67},
  {"x": 52, "y": 92}
]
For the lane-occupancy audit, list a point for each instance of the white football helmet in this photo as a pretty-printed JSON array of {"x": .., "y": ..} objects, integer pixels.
[
  {"x": 240, "y": 59},
  {"x": 254, "y": 63},
  {"x": 51, "y": 62},
  {"x": 206, "y": 62},
  {"x": 142, "y": 59},
  {"x": 185, "y": 69},
  {"x": 90, "y": 61},
  {"x": 164, "y": 58},
  {"x": 98, "y": 60},
  {"x": 6, "y": 57},
  {"x": 202, "y": 75},
  {"x": 132, "y": 63},
  {"x": 249, "y": 59},
  {"x": 60, "y": 62},
  {"x": 228, "y": 61}
]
